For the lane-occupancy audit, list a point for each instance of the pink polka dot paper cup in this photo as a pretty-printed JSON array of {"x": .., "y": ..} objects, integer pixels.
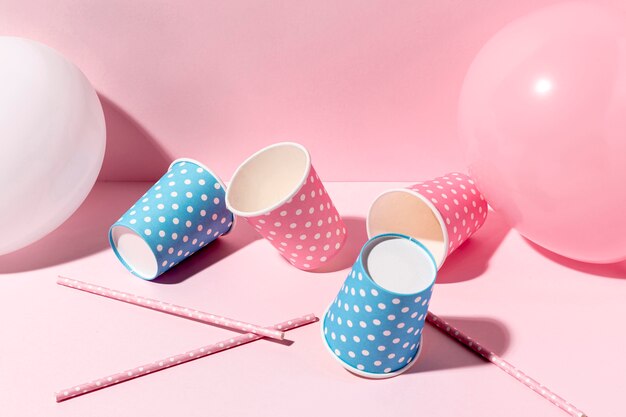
[
  {"x": 442, "y": 213},
  {"x": 279, "y": 193}
]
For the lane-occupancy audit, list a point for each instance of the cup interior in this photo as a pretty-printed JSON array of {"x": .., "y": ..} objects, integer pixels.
[
  {"x": 134, "y": 252},
  {"x": 399, "y": 264},
  {"x": 406, "y": 212},
  {"x": 267, "y": 179}
]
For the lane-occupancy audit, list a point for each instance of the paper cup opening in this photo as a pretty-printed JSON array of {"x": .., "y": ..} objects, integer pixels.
[
  {"x": 399, "y": 264},
  {"x": 406, "y": 212},
  {"x": 134, "y": 252},
  {"x": 267, "y": 179}
]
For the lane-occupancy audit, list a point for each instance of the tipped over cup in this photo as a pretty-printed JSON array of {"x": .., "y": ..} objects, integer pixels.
[
  {"x": 442, "y": 213},
  {"x": 180, "y": 214},
  {"x": 279, "y": 193},
  {"x": 374, "y": 325}
]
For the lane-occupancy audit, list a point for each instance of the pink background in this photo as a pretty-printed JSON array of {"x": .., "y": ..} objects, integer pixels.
[
  {"x": 217, "y": 80},
  {"x": 558, "y": 320}
]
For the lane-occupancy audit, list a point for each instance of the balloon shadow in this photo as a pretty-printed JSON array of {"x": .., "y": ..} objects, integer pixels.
[
  {"x": 132, "y": 154},
  {"x": 355, "y": 239},
  {"x": 240, "y": 236},
  {"x": 471, "y": 259},
  {"x": 443, "y": 352},
  {"x": 84, "y": 233},
  {"x": 613, "y": 270}
]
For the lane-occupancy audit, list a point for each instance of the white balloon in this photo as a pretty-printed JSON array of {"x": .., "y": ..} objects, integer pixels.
[{"x": 52, "y": 141}]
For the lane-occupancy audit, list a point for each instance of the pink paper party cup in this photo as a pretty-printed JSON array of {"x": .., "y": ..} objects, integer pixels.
[
  {"x": 441, "y": 213},
  {"x": 279, "y": 193}
]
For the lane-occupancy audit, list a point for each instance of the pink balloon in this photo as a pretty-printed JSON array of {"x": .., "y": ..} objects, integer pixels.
[{"x": 543, "y": 114}]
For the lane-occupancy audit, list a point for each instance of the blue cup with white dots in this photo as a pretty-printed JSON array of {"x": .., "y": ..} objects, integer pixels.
[
  {"x": 374, "y": 326},
  {"x": 183, "y": 212}
]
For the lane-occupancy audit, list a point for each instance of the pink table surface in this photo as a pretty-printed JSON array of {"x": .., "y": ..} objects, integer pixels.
[{"x": 558, "y": 320}]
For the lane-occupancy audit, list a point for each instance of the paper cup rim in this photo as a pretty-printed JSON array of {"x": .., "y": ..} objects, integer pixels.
[
  {"x": 431, "y": 206},
  {"x": 121, "y": 258},
  {"x": 400, "y": 235},
  {"x": 356, "y": 371},
  {"x": 283, "y": 200},
  {"x": 219, "y": 180}
]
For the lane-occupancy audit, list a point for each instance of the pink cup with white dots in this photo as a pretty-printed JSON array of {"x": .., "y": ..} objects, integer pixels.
[
  {"x": 279, "y": 193},
  {"x": 442, "y": 213}
]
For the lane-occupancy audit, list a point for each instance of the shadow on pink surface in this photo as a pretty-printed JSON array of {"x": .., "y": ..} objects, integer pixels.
[
  {"x": 472, "y": 258},
  {"x": 442, "y": 352},
  {"x": 356, "y": 238},
  {"x": 83, "y": 234},
  {"x": 132, "y": 154},
  {"x": 614, "y": 270},
  {"x": 241, "y": 235}
]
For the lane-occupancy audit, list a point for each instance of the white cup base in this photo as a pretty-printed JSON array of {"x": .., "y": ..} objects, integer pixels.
[{"x": 399, "y": 264}]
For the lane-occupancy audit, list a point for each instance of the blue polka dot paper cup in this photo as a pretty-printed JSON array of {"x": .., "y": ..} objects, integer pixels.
[
  {"x": 374, "y": 326},
  {"x": 183, "y": 212}
]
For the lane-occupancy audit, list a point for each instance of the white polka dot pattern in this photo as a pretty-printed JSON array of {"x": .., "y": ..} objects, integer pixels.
[
  {"x": 462, "y": 207},
  {"x": 76, "y": 390},
  {"x": 307, "y": 230},
  {"x": 490, "y": 356},
  {"x": 176, "y": 310},
  {"x": 183, "y": 212},
  {"x": 372, "y": 330}
]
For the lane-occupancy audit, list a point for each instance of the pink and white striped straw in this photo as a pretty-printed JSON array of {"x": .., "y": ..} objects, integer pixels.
[
  {"x": 174, "y": 309},
  {"x": 77, "y": 390},
  {"x": 489, "y": 355}
]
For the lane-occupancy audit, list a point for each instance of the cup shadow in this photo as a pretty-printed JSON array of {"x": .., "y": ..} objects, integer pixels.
[
  {"x": 613, "y": 270},
  {"x": 240, "y": 236},
  {"x": 84, "y": 233},
  {"x": 355, "y": 239},
  {"x": 471, "y": 259},
  {"x": 443, "y": 352}
]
